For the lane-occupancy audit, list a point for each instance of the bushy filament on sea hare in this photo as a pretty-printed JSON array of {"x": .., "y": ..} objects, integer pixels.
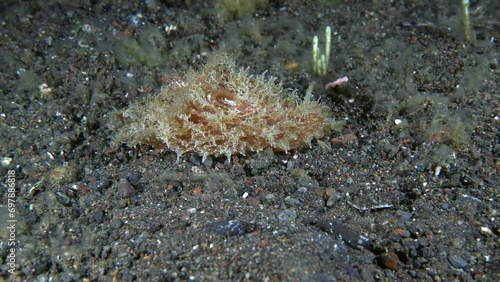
[{"x": 222, "y": 110}]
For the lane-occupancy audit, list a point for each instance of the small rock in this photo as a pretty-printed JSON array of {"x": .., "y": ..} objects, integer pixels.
[
  {"x": 106, "y": 250},
  {"x": 308, "y": 220},
  {"x": 457, "y": 262},
  {"x": 115, "y": 223},
  {"x": 287, "y": 215},
  {"x": 366, "y": 275},
  {"x": 404, "y": 216},
  {"x": 227, "y": 227},
  {"x": 486, "y": 231},
  {"x": 323, "y": 277},
  {"x": 154, "y": 227},
  {"x": 133, "y": 176},
  {"x": 343, "y": 232},
  {"x": 97, "y": 251},
  {"x": 142, "y": 237},
  {"x": 292, "y": 201},
  {"x": 238, "y": 170},
  {"x": 208, "y": 162},
  {"x": 101, "y": 185},
  {"x": 125, "y": 189},
  {"x": 63, "y": 198},
  {"x": 302, "y": 190},
  {"x": 98, "y": 216},
  {"x": 195, "y": 159},
  {"x": 253, "y": 201},
  {"x": 389, "y": 260},
  {"x": 402, "y": 232},
  {"x": 304, "y": 180},
  {"x": 269, "y": 198},
  {"x": 333, "y": 199},
  {"x": 262, "y": 159}
]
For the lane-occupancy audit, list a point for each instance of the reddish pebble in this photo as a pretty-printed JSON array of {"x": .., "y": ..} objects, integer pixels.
[
  {"x": 399, "y": 231},
  {"x": 389, "y": 260},
  {"x": 197, "y": 191},
  {"x": 253, "y": 201}
]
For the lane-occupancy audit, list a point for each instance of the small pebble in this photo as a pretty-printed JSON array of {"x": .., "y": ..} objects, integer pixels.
[
  {"x": 226, "y": 227},
  {"x": 125, "y": 189},
  {"x": 334, "y": 198},
  {"x": 302, "y": 190},
  {"x": 195, "y": 159},
  {"x": 87, "y": 28},
  {"x": 101, "y": 185},
  {"x": 115, "y": 223},
  {"x": 133, "y": 176},
  {"x": 404, "y": 216},
  {"x": 208, "y": 162},
  {"x": 253, "y": 201},
  {"x": 106, "y": 250},
  {"x": 291, "y": 201},
  {"x": 63, "y": 198},
  {"x": 154, "y": 227},
  {"x": 486, "y": 231},
  {"x": 98, "y": 216},
  {"x": 287, "y": 215},
  {"x": 457, "y": 262},
  {"x": 389, "y": 260},
  {"x": 345, "y": 233},
  {"x": 135, "y": 20},
  {"x": 366, "y": 275}
]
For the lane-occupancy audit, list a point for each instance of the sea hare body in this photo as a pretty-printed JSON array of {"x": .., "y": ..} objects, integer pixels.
[{"x": 220, "y": 111}]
